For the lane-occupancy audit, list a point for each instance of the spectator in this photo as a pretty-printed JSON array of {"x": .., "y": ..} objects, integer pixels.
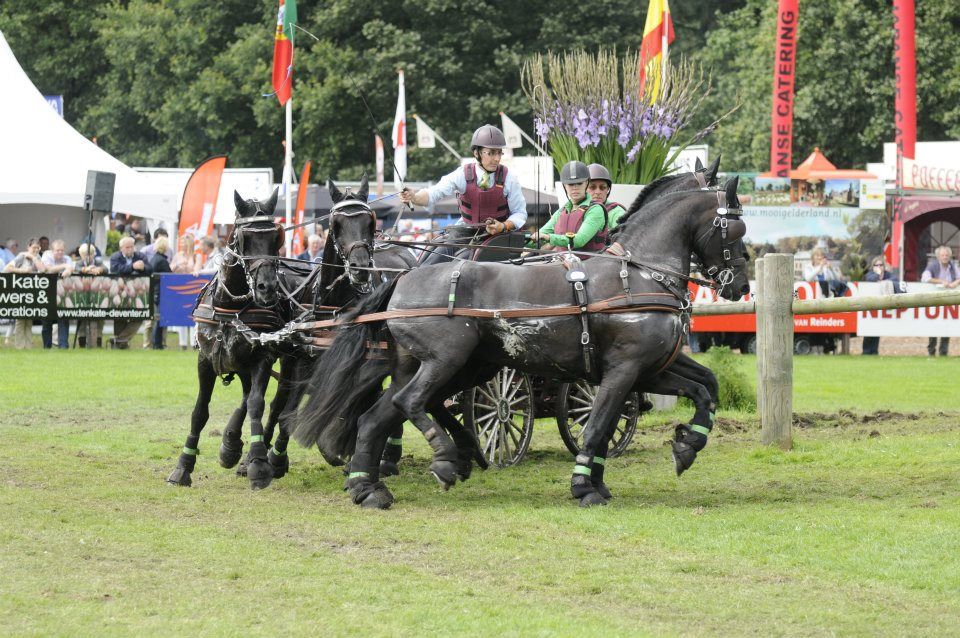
[
  {"x": 25, "y": 263},
  {"x": 136, "y": 230},
  {"x": 212, "y": 255},
  {"x": 314, "y": 251},
  {"x": 127, "y": 261},
  {"x": 820, "y": 270},
  {"x": 878, "y": 272},
  {"x": 89, "y": 331},
  {"x": 44, "y": 245},
  {"x": 8, "y": 252},
  {"x": 57, "y": 262},
  {"x": 148, "y": 251},
  {"x": 158, "y": 264},
  {"x": 183, "y": 263},
  {"x": 944, "y": 272}
]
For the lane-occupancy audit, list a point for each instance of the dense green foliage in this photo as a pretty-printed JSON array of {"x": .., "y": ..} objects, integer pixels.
[
  {"x": 736, "y": 390},
  {"x": 172, "y": 82}
]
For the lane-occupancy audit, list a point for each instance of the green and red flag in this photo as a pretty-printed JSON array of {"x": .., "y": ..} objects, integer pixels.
[{"x": 283, "y": 50}]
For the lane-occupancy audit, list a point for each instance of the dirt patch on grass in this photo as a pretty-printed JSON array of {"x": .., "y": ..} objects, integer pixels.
[{"x": 846, "y": 418}]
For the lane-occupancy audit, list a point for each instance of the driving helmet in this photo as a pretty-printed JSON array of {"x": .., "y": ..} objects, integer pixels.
[
  {"x": 488, "y": 136},
  {"x": 574, "y": 172},
  {"x": 599, "y": 171}
]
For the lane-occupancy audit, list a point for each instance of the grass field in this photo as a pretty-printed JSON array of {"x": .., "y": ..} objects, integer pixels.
[{"x": 853, "y": 532}]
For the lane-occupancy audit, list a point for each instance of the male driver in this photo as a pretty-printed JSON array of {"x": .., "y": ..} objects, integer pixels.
[
  {"x": 490, "y": 196},
  {"x": 60, "y": 264},
  {"x": 314, "y": 251},
  {"x": 944, "y": 271},
  {"x": 127, "y": 261}
]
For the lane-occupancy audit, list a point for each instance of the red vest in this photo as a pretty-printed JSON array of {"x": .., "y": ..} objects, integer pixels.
[
  {"x": 570, "y": 222},
  {"x": 478, "y": 205}
]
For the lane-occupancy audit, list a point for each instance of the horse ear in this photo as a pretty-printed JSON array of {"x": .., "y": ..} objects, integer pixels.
[
  {"x": 335, "y": 193},
  {"x": 271, "y": 204},
  {"x": 240, "y": 204},
  {"x": 364, "y": 188},
  {"x": 712, "y": 170},
  {"x": 698, "y": 166},
  {"x": 731, "y": 189}
]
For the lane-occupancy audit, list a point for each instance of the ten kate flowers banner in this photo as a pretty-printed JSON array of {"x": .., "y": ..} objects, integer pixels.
[
  {"x": 104, "y": 297},
  {"x": 27, "y": 296},
  {"x": 591, "y": 108}
]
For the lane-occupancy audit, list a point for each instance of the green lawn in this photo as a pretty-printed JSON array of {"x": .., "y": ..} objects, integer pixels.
[{"x": 853, "y": 532}]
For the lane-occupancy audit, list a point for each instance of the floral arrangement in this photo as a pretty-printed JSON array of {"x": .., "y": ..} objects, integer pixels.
[
  {"x": 590, "y": 108},
  {"x": 103, "y": 292}
]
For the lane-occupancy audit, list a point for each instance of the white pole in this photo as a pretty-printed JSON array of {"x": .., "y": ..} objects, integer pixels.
[
  {"x": 663, "y": 46},
  {"x": 287, "y": 173}
]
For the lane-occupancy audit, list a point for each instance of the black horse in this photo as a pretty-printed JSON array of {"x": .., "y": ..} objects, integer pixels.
[
  {"x": 436, "y": 356},
  {"x": 240, "y": 298}
]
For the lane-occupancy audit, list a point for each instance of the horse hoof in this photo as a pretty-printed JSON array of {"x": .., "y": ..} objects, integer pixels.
[
  {"x": 592, "y": 499},
  {"x": 380, "y": 499},
  {"x": 230, "y": 453},
  {"x": 260, "y": 474},
  {"x": 389, "y": 468},
  {"x": 445, "y": 472},
  {"x": 242, "y": 468},
  {"x": 683, "y": 456},
  {"x": 180, "y": 477},
  {"x": 603, "y": 490},
  {"x": 279, "y": 462}
]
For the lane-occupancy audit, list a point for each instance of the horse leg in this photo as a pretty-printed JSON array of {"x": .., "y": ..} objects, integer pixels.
[
  {"x": 277, "y": 455},
  {"x": 374, "y": 425},
  {"x": 692, "y": 438},
  {"x": 392, "y": 451},
  {"x": 201, "y": 412},
  {"x": 468, "y": 448},
  {"x": 259, "y": 471},
  {"x": 600, "y": 461},
  {"x": 231, "y": 446},
  {"x": 279, "y": 402},
  {"x": 607, "y": 406}
]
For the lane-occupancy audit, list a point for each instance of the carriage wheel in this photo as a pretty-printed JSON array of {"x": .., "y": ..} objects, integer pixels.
[
  {"x": 501, "y": 413},
  {"x": 574, "y": 403}
]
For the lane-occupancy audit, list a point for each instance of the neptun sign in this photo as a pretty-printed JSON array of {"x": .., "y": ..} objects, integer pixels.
[{"x": 28, "y": 296}]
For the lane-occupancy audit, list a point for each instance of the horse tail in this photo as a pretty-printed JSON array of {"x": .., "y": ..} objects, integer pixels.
[{"x": 343, "y": 382}]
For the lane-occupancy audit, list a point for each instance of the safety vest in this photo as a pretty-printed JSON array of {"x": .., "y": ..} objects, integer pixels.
[
  {"x": 478, "y": 205},
  {"x": 570, "y": 222}
]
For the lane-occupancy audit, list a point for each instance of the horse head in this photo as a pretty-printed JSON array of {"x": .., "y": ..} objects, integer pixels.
[
  {"x": 255, "y": 247},
  {"x": 719, "y": 243},
  {"x": 352, "y": 227}
]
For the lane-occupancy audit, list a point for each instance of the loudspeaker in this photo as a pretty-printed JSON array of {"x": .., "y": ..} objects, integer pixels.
[{"x": 99, "y": 196}]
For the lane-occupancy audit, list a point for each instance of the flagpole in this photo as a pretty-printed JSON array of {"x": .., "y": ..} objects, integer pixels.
[
  {"x": 287, "y": 172},
  {"x": 664, "y": 44}
]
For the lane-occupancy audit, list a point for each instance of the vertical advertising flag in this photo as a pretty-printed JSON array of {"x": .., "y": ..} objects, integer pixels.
[
  {"x": 784, "y": 67},
  {"x": 378, "y": 146},
  {"x": 302, "y": 189},
  {"x": 657, "y": 36},
  {"x": 283, "y": 50},
  {"x": 200, "y": 199},
  {"x": 905, "y": 110},
  {"x": 400, "y": 138}
]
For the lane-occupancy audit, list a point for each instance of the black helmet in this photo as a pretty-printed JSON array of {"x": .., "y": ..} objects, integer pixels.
[
  {"x": 488, "y": 136},
  {"x": 599, "y": 171},
  {"x": 574, "y": 172}
]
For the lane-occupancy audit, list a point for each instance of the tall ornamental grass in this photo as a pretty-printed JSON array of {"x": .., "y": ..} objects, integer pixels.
[{"x": 590, "y": 108}]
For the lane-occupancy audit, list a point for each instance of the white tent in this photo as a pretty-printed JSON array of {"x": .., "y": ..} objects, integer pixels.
[{"x": 44, "y": 164}]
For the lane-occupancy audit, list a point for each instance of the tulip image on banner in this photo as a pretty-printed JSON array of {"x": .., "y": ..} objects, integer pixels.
[
  {"x": 657, "y": 36},
  {"x": 400, "y": 139},
  {"x": 283, "y": 50}
]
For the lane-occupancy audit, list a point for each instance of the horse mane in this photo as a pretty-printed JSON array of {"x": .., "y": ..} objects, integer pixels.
[{"x": 644, "y": 194}]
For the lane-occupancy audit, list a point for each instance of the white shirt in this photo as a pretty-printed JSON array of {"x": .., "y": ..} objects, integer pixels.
[{"x": 456, "y": 182}]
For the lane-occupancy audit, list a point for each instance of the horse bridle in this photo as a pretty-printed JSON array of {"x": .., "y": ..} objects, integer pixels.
[
  {"x": 721, "y": 223},
  {"x": 235, "y": 247},
  {"x": 362, "y": 208}
]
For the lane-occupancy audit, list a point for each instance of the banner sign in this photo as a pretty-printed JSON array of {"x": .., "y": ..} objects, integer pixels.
[
  {"x": 770, "y": 223},
  {"x": 28, "y": 296},
  {"x": 178, "y": 294},
  {"x": 781, "y": 140},
  {"x": 104, "y": 297},
  {"x": 935, "y": 321},
  {"x": 55, "y": 102},
  {"x": 932, "y": 178}
]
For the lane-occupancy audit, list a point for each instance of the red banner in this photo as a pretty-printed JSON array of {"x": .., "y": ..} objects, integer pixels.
[
  {"x": 905, "y": 108},
  {"x": 302, "y": 189},
  {"x": 784, "y": 67},
  {"x": 200, "y": 199}
]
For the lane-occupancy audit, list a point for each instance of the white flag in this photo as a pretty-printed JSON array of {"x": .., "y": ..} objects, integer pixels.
[
  {"x": 400, "y": 139},
  {"x": 511, "y": 131},
  {"x": 378, "y": 145},
  {"x": 426, "y": 138}
]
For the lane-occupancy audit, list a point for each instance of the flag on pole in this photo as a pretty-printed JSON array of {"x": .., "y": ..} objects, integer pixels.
[
  {"x": 283, "y": 50},
  {"x": 657, "y": 36},
  {"x": 302, "y": 189},
  {"x": 400, "y": 138},
  {"x": 426, "y": 138},
  {"x": 511, "y": 131},
  {"x": 378, "y": 145}
]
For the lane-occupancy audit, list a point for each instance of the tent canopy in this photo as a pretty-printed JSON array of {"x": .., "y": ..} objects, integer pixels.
[{"x": 45, "y": 160}]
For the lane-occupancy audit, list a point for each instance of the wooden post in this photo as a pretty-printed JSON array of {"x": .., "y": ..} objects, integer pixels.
[
  {"x": 761, "y": 337},
  {"x": 775, "y": 314}
]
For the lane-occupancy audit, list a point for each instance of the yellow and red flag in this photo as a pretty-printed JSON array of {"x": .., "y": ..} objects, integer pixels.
[
  {"x": 657, "y": 36},
  {"x": 283, "y": 50}
]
